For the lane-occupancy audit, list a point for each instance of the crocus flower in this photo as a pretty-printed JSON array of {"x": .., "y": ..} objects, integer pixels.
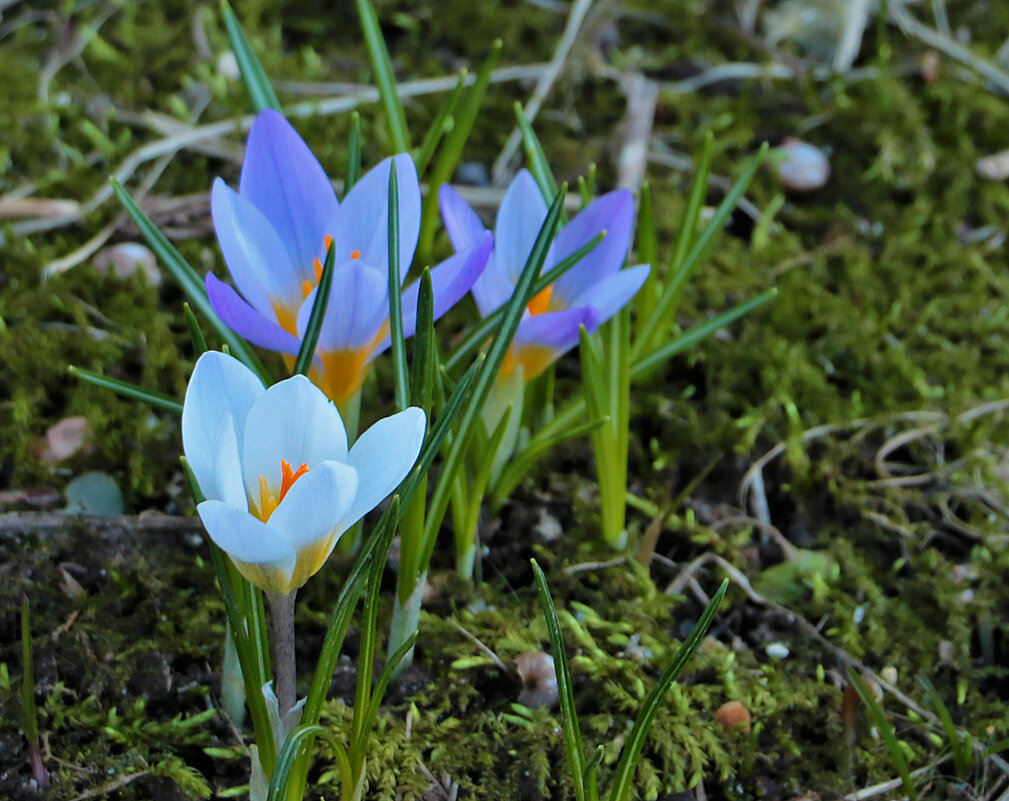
[
  {"x": 273, "y": 464},
  {"x": 274, "y": 233},
  {"x": 588, "y": 294}
]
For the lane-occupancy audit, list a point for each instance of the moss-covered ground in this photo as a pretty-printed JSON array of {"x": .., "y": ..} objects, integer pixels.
[{"x": 874, "y": 532}]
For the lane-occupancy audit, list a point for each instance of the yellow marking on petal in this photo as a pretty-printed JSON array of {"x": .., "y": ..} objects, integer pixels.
[
  {"x": 287, "y": 317},
  {"x": 533, "y": 359},
  {"x": 345, "y": 369},
  {"x": 265, "y": 576},
  {"x": 310, "y": 558},
  {"x": 541, "y": 302}
]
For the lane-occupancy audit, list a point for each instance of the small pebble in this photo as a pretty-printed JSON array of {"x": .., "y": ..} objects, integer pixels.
[
  {"x": 801, "y": 167},
  {"x": 124, "y": 259},
  {"x": 777, "y": 650},
  {"x": 64, "y": 439},
  {"x": 889, "y": 674},
  {"x": 734, "y": 716},
  {"x": 227, "y": 65},
  {"x": 994, "y": 167},
  {"x": 539, "y": 679}
]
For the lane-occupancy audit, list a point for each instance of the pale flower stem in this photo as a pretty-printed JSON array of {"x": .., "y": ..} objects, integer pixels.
[{"x": 282, "y": 645}]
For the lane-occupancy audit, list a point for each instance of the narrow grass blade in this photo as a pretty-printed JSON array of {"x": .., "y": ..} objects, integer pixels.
[
  {"x": 630, "y": 754},
  {"x": 647, "y": 247},
  {"x": 188, "y": 280},
  {"x": 573, "y": 746},
  {"x": 424, "y": 353},
  {"x": 885, "y": 729},
  {"x": 388, "y": 671},
  {"x": 353, "y": 154},
  {"x": 587, "y": 185},
  {"x": 591, "y": 780},
  {"x": 149, "y": 396},
  {"x": 384, "y": 77},
  {"x": 514, "y": 310},
  {"x": 258, "y": 86},
  {"x": 959, "y": 743},
  {"x": 369, "y": 644},
  {"x": 451, "y": 150},
  {"x": 442, "y": 123},
  {"x": 195, "y": 332},
  {"x": 522, "y": 463},
  {"x": 695, "y": 201},
  {"x": 483, "y": 329},
  {"x": 306, "y": 353},
  {"x": 294, "y": 747},
  {"x": 535, "y": 157},
  {"x": 682, "y": 270},
  {"x": 692, "y": 336},
  {"x": 398, "y": 340}
]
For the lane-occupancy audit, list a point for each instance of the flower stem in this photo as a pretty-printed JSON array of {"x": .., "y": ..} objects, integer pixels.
[{"x": 282, "y": 642}]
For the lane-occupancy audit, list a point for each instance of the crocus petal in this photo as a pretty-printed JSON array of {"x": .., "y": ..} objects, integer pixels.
[
  {"x": 519, "y": 220},
  {"x": 612, "y": 293},
  {"x": 282, "y": 178},
  {"x": 245, "y": 321},
  {"x": 557, "y": 330},
  {"x": 358, "y": 305},
  {"x": 450, "y": 280},
  {"x": 293, "y": 422},
  {"x": 256, "y": 257},
  {"x": 493, "y": 288},
  {"x": 220, "y": 394},
  {"x": 316, "y": 504},
  {"x": 363, "y": 221},
  {"x": 461, "y": 222},
  {"x": 383, "y": 456},
  {"x": 614, "y": 213},
  {"x": 261, "y": 554}
]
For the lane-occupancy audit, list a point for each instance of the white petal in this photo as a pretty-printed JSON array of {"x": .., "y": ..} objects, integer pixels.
[
  {"x": 383, "y": 456},
  {"x": 244, "y": 537},
  {"x": 315, "y": 505},
  {"x": 294, "y": 422},
  {"x": 221, "y": 392}
]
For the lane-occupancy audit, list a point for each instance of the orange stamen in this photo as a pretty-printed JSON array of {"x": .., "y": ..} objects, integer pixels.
[
  {"x": 355, "y": 254},
  {"x": 289, "y": 476},
  {"x": 541, "y": 302},
  {"x": 327, "y": 241},
  {"x": 318, "y": 270}
]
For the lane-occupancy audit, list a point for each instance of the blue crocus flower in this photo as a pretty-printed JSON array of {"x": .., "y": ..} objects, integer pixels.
[
  {"x": 274, "y": 233},
  {"x": 588, "y": 294}
]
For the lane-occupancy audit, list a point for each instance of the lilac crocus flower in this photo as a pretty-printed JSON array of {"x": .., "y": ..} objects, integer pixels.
[
  {"x": 588, "y": 294},
  {"x": 274, "y": 233}
]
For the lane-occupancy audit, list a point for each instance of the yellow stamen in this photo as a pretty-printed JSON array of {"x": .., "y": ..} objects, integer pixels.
[
  {"x": 268, "y": 500},
  {"x": 541, "y": 302}
]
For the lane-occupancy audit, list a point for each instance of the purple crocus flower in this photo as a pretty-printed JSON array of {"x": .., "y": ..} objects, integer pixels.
[
  {"x": 588, "y": 294},
  {"x": 274, "y": 233}
]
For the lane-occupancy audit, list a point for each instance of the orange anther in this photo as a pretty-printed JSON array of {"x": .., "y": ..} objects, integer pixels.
[
  {"x": 327, "y": 241},
  {"x": 541, "y": 302},
  {"x": 306, "y": 288},
  {"x": 318, "y": 270},
  {"x": 355, "y": 254}
]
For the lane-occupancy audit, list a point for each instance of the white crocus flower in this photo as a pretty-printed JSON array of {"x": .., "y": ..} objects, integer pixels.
[{"x": 273, "y": 464}]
